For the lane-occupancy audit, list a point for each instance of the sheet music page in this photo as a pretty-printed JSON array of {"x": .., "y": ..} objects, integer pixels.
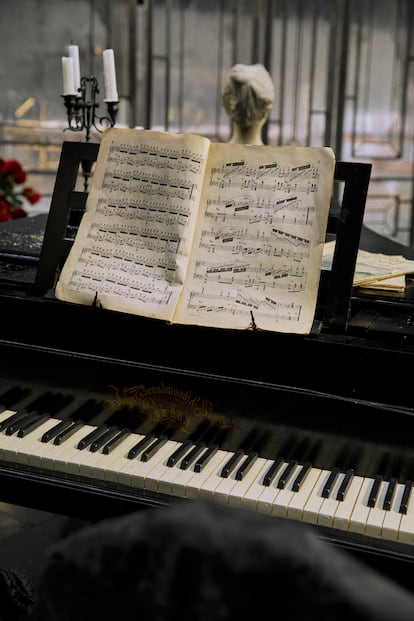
[
  {"x": 259, "y": 240},
  {"x": 133, "y": 244}
]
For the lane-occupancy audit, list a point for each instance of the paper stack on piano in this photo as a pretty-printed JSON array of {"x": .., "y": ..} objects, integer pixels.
[
  {"x": 189, "y": 231},
  {"x": 375, "y": 270}
]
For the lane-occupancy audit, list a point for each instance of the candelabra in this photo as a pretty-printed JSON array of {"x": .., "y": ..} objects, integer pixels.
[{"x": 81, "y": 110}]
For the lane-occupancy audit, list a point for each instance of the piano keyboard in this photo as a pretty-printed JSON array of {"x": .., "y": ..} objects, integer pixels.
[{"x": 199, "y": 465}]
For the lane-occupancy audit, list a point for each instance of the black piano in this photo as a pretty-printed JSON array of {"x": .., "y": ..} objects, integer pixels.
[{"x": 104, "y": 413}]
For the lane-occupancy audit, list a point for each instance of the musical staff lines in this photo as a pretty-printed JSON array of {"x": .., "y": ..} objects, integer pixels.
[
  {"x": 157, "y": 157},
  {"x": 243, "y": 303},
  {"x": 187, "y": 230},
  {"x": 270, "y": 177},
  {"x": 141, "y": 210},
  {"x": 261, "y": 276}
]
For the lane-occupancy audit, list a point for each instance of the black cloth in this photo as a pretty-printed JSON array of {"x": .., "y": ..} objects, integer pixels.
[
  {"x": 17, "y": 597},
  {"x": 198, "y": 561}
]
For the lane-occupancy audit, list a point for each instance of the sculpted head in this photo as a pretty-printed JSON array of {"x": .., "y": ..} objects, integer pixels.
[{"x": 247, "y": 94}]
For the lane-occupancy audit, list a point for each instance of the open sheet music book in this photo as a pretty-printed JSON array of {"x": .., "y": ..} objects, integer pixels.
[{"x": 191, "y": 231}]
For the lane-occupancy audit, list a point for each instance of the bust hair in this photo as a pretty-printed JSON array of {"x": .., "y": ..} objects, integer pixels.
[{"x": 247, "y": 94}]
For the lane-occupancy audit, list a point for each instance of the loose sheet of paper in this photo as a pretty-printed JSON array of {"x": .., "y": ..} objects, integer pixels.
[{"x": 372, "y": 268}]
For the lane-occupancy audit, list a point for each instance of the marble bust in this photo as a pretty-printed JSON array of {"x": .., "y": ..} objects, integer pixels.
[{"x": 247, "y": 96}]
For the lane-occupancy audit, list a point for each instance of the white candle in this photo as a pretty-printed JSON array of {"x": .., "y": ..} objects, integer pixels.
[
  {"x": 111, "y": 93},
  {"x": 68, "y": 76},
  {"x": 74, "y": 54}
]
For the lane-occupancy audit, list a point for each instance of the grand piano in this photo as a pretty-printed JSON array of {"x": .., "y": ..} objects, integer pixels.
[{"x": 104, "y": 413}]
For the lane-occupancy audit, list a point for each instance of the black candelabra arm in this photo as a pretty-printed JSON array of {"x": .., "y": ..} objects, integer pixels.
[{"x": 81, "y": 109}]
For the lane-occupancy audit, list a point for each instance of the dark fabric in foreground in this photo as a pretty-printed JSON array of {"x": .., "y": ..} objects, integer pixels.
[
  {"x": 17, "y": 596},
  {"x": 199, "y": 561}
]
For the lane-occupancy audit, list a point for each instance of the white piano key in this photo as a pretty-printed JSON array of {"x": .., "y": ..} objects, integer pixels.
[
  {"x": 70, "y": 458},
  {"x": 376, "y": 514},
  {"x": 298, "y": 501},
  {"x": 224, "y": 487},
  {"x": 92, "y": 463},
  {"x": 330, "y": 505},
  {"x": 252, "y": 494},
  {"x": 26, "y": 446},
  {"x": 182, "y": 477},
  {"x": 359, "y": 517},
  {"x": 107, "y": 467},
  {"x": 230, "y": 490},
  {"x": 347, "y": 506},
  {"x": 161, "y": 477},
  {"x": 168, "y": 474},
  {"x": 285, "y": 495},
  {"x": 215, "y": 478},
  {"x": 58, "y": 457},
  {"x": 203, "y": 486},
  {"x": 134, "y": 472},
  {"x": 267, "y": 497},
  {"x": 314, "y": 503},
  {"x": 406, "y": 528},
  {"x": 6, "y": 442},
  {"x": 194, "y": 486},
  {"x": 392, "y": 518},
  {"x": 237, "y": 495}
]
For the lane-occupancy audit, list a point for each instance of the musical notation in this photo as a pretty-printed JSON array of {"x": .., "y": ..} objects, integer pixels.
[
  {"x": 268, "y": 308},
  {"x": 140, "y": 210},
  {"x": 180, "y": 229},
  {"x": 157, "y": 157}
]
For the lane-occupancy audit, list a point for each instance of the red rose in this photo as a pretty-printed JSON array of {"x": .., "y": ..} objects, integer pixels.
[
  {"x": 2, "y": 165},
  {"x": 5, "y": 213},
  {"x": 31, "y": 195},
  {"x": 14, "y": 170},
  {"x": 19, "y": 212}
]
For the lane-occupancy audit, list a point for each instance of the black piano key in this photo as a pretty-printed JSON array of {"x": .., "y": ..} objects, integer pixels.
[
  {"x": 16, "y": 424},
  {"x": 301, "y": 476},
  {"x": 286, "y": 474},
  {"x": 12, "y": 419},
  {"x": 192, "y": 455},
  {"x": 345, "y": 484},
  {"x": 56, "y": 430},
  {"x": 327, "y": 488},
  {"x": 103, "y": 439},
  {"x": 64, "y": 429},
  {"x": 154, "y": 447},
  {"x": 41, "y": 404},
  {"x": 216, "y": 439},
  {"x": 405, "y": 497},
  {"x": 271, "y": 473},
  {"x": 246, "y": 465},
  {"x": 372, "y": 499},
  {"x": 203, "y": 460},
  {"x": 71, "y": 428},
  {"x": 115, "y": 441},
  {"x": 139, "y": 446},
  {"x": 91, "y": 437},
  {"x": 31, "y": 425},
  {"x": 203, "y": 430},
  {"x": 231, "y": 463},
  {"x": 389, "y": 494},
  {"x": 179, "y": 452}
]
